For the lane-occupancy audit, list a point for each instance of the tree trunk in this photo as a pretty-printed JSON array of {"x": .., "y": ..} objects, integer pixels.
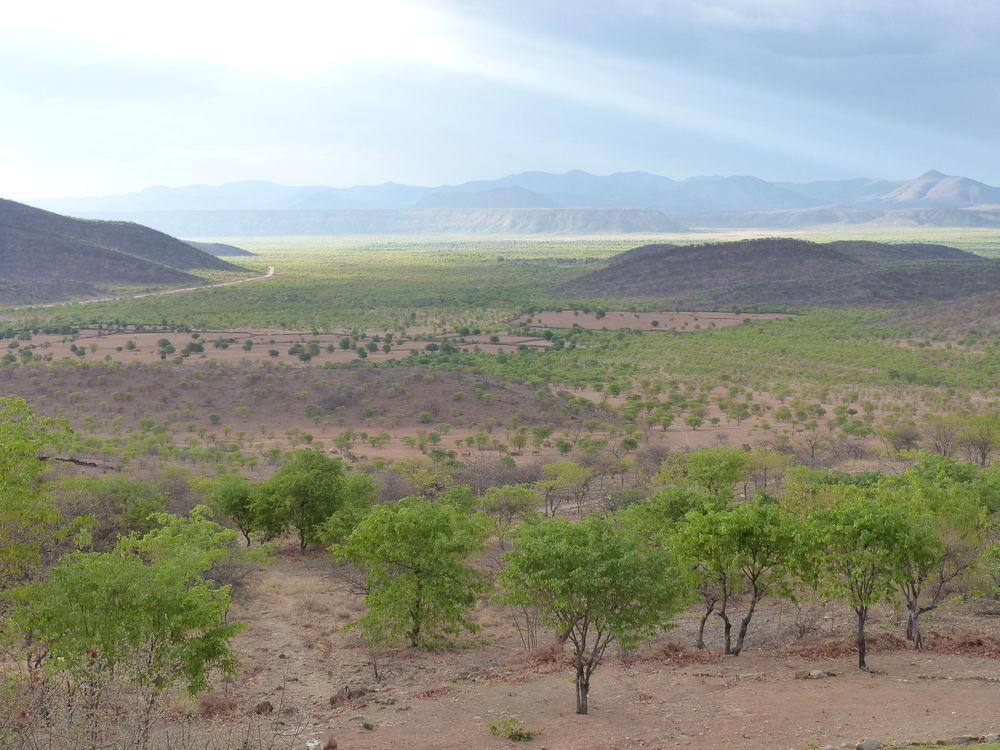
[
  {"x": 727, "y": 629},
  {"x": 582, "y": 689},
  {"x": 701, "y": 625},
  {"x": 914, "y": 632},
  {"x": 744, "y": 624},
  {"x": 862, "y": 643},
  {"x": 416, "y": 614}
]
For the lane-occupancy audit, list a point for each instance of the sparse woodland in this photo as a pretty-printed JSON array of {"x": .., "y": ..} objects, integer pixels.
[{"x": 576, "y": 499}]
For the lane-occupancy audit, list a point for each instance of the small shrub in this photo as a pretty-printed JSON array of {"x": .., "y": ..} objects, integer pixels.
[{"x": 510, "y": 728}]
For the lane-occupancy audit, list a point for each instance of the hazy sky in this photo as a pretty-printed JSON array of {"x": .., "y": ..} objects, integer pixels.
[{"x": 111, "y": 96}]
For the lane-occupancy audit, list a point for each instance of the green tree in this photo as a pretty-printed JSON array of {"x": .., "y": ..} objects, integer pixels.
[
  {"x": 981, "y": 436},
  {"x": 949, "y": 501},
  {"x": 860, "y": 549},
  {"x": 564, "y": 480},
  {"x": 427, "y": 478},
  {"x": 593, "y": 584},
  {"x": 113, "y": 506},
  {"x": 507, "y": 505},
  {"x": 415, "y": 556},
  {"x": 29, "y": 525},
  {"x": 358, "y": 495},
  {"x": 302, "y": 494},
  {"x": 143, "y": 612},
  {"x": 233, "y": 497},
  {"x": 742, "y": 549},
  {"x": 716, "y": 470}
]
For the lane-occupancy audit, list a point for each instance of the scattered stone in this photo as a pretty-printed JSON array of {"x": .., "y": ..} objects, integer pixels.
[
  {"x": 965, "y": 739},
  {"x": 814, "y": 674},
  {"x": 347, "y": 694},
  {"x": 869, "y": 744},
  {"x": 211, "y": 705},
  {"x": 991, "y": 738},
  {"x": 264, "y": 708}
]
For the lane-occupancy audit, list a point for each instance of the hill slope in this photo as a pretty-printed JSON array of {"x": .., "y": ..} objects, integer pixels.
[
  {"x": 510, "y": 197},
  {"x": 45, "y": 256},
  {"x": 936, "y": 190},
  {"x": 792, "y": 272},
  {"x": 220, "y": 249}
]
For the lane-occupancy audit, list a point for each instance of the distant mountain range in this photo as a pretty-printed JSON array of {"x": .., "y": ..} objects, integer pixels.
[
  {"x": 46, "y": 257},
  {"x": 555, "y": 203}
]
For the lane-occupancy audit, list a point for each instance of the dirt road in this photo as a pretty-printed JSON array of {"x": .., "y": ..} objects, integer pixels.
[{"x": 268, "y": 275}]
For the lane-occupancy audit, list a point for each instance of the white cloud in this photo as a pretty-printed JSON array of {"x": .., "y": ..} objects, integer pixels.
[{"x": 292, "y": 37}]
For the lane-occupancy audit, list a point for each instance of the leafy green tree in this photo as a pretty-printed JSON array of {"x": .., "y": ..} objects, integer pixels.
[
  {"x": 991, "y": 561},
  {"x": 507, "y": 505},
  {"x": 29, "y": 525},
  {"x": 358, "y": 495},
  {"x": 427, "y": 478},
  {"x": 143, "y": 612},
  {"x": 415, "y": 556},
  {"x": 593, "y": 584},
  {"x": 656, "y": 516},
  {"x": 233, "y": 496},
  {"x": 861, "y": 549},
  {"x": 302, "y": 494},
  {"x": 948, "y": 500},
  {"x": 746, "y": 548},
  {"x": 562, "y": 480},
  {"x": 654, "y": 521},
  {"x": 900, "y": 435},
  {"x": 459, "y": 496},
  {"x": 113, "y": 506},
  {"x": 980, "y": 436},
  {"x": 716, "y": 470}
]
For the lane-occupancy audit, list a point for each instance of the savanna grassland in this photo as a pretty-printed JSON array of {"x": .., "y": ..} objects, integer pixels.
[{"x": 420, "y": 458}]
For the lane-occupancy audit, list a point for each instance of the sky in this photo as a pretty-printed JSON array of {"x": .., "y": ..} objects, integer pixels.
[{"x": 111, "y": 96}]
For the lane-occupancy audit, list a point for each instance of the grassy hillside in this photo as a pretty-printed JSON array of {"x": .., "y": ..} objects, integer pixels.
[
  {"x": 782, "y": 271},
  {"x": 46, "y": 257}
]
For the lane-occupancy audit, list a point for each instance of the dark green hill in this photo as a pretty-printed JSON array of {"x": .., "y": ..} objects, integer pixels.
[
  {"x": 46, "y": 256},
  {"x": 780, "y": 271}
]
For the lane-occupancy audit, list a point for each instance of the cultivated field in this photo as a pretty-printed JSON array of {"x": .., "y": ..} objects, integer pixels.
[{"x": 662, "y": 320}]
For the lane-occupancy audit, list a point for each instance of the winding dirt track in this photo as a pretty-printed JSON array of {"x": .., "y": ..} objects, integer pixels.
[{"x": 268, "y": 275}]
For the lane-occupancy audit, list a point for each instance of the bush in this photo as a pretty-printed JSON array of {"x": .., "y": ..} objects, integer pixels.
[{"x": 510, "y": 728}]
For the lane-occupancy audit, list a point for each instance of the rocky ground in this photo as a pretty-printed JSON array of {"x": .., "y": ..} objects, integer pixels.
[{"x": 306, "y": 679}]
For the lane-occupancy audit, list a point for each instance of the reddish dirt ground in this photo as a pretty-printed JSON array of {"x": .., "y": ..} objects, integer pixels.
[
  {"x": 297, "y": 657},
  {"x": 147, "y": 349},
  {"x": 642, "y": 321}
]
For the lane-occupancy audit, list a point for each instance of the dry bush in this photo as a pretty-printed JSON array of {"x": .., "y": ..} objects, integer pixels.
[{"x": 38, "y": 715}]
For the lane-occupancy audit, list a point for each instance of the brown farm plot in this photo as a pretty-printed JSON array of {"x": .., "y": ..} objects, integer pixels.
[
  {"x": 642, "y": 321},
  {"x": 264, "y": 345}
]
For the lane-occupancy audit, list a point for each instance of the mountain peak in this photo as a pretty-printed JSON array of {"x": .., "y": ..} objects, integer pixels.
[{"x": 932, "y": 174}]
